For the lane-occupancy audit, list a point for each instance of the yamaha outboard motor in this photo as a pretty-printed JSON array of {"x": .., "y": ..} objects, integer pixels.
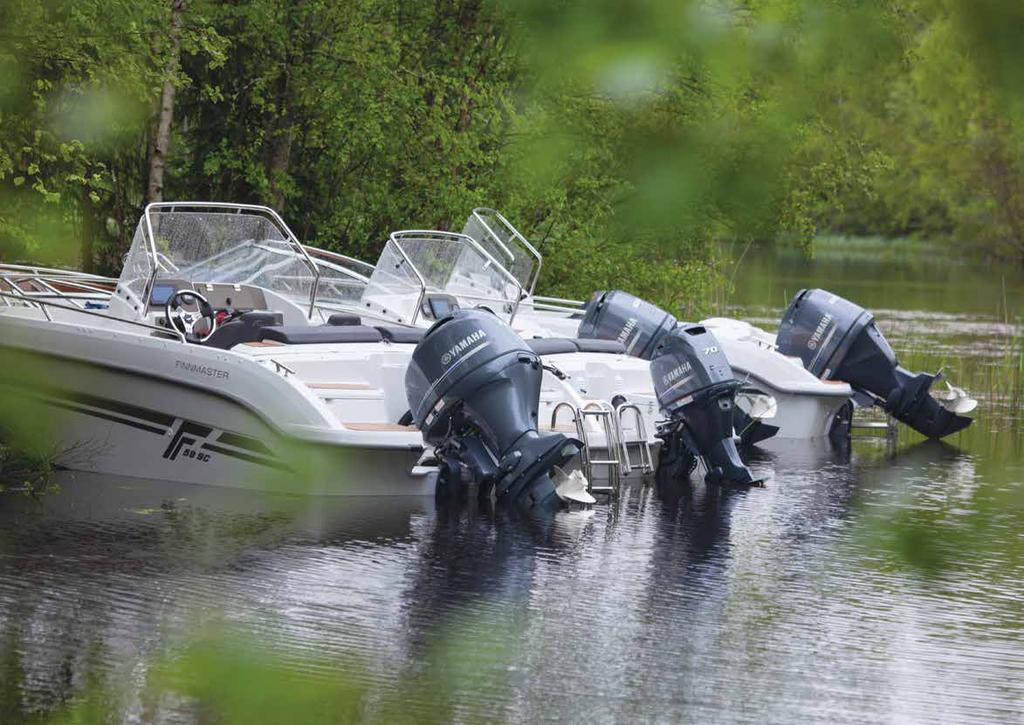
[
  {"x": 474, "y": 389},
  {"x": 642, "y": 327},
  {"x": 618, "y": 315},
  {"x": 838, "y": 340},
  {"x": 696, "y": 389}
]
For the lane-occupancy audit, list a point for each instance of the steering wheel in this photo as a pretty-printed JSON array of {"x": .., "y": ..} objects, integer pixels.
[{"x": 182, "y": 318}]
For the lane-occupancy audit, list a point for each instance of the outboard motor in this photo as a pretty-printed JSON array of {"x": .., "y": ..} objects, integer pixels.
[
  {"x": 838, "y": 340},
  {"x": 642, "y": 327},
  {"x": 473, "y": 388},
  {"x": 618, "y": 315},
  {"x": 696, "y": 389}
]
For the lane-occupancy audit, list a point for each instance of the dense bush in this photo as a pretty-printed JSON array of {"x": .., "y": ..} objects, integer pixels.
[{"x": 628, "y": 136}]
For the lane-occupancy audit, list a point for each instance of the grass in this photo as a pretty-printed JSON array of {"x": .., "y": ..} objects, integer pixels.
[{"x": 25, "y": 472}]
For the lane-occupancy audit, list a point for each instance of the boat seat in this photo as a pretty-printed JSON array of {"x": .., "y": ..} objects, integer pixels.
[
  {"x": 342, "y": 319},
  {"x": 319, "y": 335},
  {"x": 610, "y": 346},
  {"x": 401, "y": 335},
  {"x": 552, "y": 345},
  {"x": 245, "y": 328}
]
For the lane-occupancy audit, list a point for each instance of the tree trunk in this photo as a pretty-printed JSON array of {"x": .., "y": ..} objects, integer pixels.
[
  {"x": 280, "y": 152},
  {"x": 162, "y": 132},
  {"x": 87, "y": 228}
]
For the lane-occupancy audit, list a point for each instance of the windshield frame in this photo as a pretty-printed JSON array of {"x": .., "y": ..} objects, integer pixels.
[
  {"x": 412, "y": 235},
  {"x": 217, "y": 206},
  {"x": 481, "y": 213}
]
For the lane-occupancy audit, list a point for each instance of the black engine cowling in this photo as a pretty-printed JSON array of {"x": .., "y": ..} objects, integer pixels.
[
  {"x": 642, "y": 327},
  {"x": 838, "y": 340},
  {"x": 473, "y": 388},
  {"x": 696, "y": 389},
  {"x": 618, "y": 315}
]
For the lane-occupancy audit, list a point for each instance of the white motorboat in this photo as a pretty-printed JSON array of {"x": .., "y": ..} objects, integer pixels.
[
  {"x": 592, "y": 387},
  {"x": 214, "y": 360},
  {"x": 827, "y": 357},
  {"x": 775, "y": 388}
]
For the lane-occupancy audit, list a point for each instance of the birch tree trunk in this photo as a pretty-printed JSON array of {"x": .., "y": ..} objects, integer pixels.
[{"x": 162, "y": 129}]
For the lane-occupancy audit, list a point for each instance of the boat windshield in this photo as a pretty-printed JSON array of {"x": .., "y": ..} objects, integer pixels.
[
  {"x": 213, "y": 244},
  {"x": 230, "y": 244},
  {"x": 502, "y": 241},
  {"x": 417, "y": 263},
  {"x": 343, "y": 279}
]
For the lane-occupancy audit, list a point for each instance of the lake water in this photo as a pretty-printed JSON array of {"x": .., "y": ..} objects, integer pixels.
[{"x": 882, "y": 583}]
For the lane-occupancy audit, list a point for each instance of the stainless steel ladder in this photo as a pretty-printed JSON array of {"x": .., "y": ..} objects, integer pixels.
[
  {"x": 644, "y": 455},
  {"x": 870, "y": 427},
  {"x": 603, "y": 412}
]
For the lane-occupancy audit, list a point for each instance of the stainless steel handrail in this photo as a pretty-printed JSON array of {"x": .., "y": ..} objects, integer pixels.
[
  {"x": 53, "y": 272},
  {"x": 558, "y": 300},
  {"x": 343, "y": 258},
  {"x": 532, "y": 280},
  {"x": 43, "y": 303},
  {"x": 47, "y": 281},
  {"x": 21, "y": 295}
]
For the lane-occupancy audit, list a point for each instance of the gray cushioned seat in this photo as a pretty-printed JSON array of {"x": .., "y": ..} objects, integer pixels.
[
  {"x": 593, "y": 345},
  {"x": 552, "y": 345},
  {"x": 401, "y": 335},
  {"x": 342, "y": 319},
  {"x": 320, "y": 335}
]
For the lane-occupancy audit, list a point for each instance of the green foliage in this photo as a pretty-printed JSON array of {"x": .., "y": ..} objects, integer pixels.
[{"x": 633, "y": 132}]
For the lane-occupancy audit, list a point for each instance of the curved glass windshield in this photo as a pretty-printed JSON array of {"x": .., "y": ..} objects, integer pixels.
[
  {"x": 499, "y": 239},
  {"x": 227, "y": 245},
  {"x": 419, "y": 262}
]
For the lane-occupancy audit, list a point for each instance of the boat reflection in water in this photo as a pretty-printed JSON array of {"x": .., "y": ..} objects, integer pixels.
[{"x": 672, "y": 601}]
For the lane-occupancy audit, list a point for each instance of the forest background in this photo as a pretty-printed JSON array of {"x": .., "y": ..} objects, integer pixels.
[{"x": 627, "y": 139}]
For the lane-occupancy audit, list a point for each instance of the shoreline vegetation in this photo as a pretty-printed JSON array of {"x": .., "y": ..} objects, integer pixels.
[
  {"x": 24, "y": 472},
  {"x": 626, "y": 141}
]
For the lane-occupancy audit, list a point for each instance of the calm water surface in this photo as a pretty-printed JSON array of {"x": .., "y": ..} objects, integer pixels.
[{"x": 879, "y": 583}]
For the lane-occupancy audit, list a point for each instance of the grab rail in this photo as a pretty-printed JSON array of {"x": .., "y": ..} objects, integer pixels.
[
  {"x": 645, "y": 456},
  {"x": 54, "y": 272},
  {"x": 602, "y": 411},
  {"x": 43, "y": 303}
]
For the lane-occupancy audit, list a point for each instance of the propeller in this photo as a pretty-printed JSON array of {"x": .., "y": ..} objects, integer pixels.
[
  {"x": 571, "y": 486},
  {"x": 955, "y": 400}
]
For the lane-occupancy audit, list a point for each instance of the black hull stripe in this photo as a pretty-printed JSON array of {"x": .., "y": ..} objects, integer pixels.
[
  {"x": 239, "y": 441},
  {"x": 105, "y": 416},
  {"x": 258, "y": 448},
  {"x": 245, "y": 456},
  {"x": 118, "y": 407}
]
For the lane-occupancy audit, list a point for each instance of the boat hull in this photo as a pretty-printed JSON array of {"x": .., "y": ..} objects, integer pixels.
[{"x": 80, "y": 412}]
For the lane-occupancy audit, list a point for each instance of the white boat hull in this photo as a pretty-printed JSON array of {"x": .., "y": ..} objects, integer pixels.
[{"x": 87, "y": 413}]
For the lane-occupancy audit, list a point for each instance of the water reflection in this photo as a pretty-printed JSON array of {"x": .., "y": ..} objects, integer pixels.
[
  {"x": 675, "y": 601},
  {"x": 875, "y": 582}
]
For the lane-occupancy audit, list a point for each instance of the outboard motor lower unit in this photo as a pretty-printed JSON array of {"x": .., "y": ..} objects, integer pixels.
[
  {"x": 696, "y": 389},
  {"x": 474, "y": 390},
  {"x": 838, "y": 340}
]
